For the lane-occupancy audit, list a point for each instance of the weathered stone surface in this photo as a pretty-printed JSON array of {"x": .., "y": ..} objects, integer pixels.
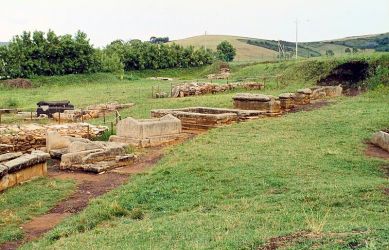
[
  {"x": 22, "y": 168},
  {"x": 26, "y": 161},
  {"x": 203, "y": 118},
  {"x": 381, "y": 139},
  {"x": 148, "y": 132},
  {"x": 86, "y": 155},
  {"x": 306, "y": 91},
  {"x": 25, "y": 137},
  {"x": 10, "y": 156},
  {"x": 260, "y": 102}
]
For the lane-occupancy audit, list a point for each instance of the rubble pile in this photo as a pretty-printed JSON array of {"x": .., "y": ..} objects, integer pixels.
[
  {"x": 27, "y": 137},
  {"x": 91, "y": 112},
  {"x": 85, "y": 155}
]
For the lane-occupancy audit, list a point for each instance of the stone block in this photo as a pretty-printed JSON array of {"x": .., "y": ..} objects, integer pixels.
[{"x": 381, "y": 139}]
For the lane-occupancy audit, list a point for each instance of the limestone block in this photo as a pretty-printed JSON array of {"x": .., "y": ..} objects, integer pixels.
[
  {"x": 10, "y": 156},
  {"x": 381, "y": 139},
  {"x": 141, "y": 129}
]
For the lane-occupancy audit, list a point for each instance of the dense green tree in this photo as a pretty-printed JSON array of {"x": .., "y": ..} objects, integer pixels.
[
  {"x": 347, "y": 50},
  {"x": 329, "y": 52},
  {"x": 225, "y": 51}
]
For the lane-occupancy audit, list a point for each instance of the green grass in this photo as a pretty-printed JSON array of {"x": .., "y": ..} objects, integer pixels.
[
  {"x": 237, "y": 186},
  {"x": 24, "y": 202}
]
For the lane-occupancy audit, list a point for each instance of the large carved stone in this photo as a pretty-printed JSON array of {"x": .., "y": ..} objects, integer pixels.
[
  {"x": 148, "y": 132},
  {"x": 260, "y": 102}
]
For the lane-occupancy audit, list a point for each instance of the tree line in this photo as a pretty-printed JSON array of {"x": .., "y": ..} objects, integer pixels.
[{"x": 37, "y": 53}]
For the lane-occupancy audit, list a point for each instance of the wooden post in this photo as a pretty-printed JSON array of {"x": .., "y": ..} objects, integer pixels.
[
  {"x": 152, "y": 91},
  {"x": 59, "y": 117},
  {"x": 31, "y": 116},
  {"x": 82, "y": 116},
  {"x": 111, "y": 128},
  {"x": 104, "y": 116},
  {"x": 116, "y": 117}
]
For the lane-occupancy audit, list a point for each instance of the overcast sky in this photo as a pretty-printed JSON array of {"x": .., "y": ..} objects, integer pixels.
[{"x": 107, "y": 20}]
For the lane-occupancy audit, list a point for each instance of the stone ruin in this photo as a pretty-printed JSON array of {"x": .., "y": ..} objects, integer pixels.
[
  {"x": 264, "y": 103},
  {"x": 381, "y": 139},
  {"x": 85, "y": 155},
  {"x": 203, "y": 118},
  {"x": 284, "y": 102},
  {"x": 148, "y": 132},
  {"x": 193, "y": 89},
  {"x": 27, "y": 137},
  {"x": 90, "y": 112},
  {"x": 17, "y": 168}
]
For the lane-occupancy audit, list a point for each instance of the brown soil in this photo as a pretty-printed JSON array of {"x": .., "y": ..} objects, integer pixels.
[
  {"x": 375, "y": 151},
  {"x": 18, "y": 83}
]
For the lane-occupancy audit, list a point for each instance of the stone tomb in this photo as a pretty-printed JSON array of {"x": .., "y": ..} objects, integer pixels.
[
  {"x": 264, "y": 103},
  {"x": 148, "y": 132},
  {"x": 287, "y": 101},
  {"x": 17, "y": 168},
  {"x": 303, "y": 96},
  {"x": 85, "y": 155},
  {"x": 381, "y": 139},
  {"x": 202, "y": 118}
]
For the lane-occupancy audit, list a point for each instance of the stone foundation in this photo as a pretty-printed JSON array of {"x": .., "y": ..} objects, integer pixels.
[
  {"x": 16, "y": 168},
  {"x": 148, "y": 132},
  {"x": 202, "y": 118},
  {"x": 303, "y": 96},
  {"x": 259, "y": 102},
  {"x": 287, "y": 101}
]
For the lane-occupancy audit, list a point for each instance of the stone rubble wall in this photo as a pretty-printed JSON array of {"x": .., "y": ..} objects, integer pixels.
[
  {"x": 90, "y": 112},
  {"x": 193, "y": 89},
  {"x": 27, "y": 137}
]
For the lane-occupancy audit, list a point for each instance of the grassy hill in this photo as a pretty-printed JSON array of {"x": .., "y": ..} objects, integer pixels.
[
  {"x": 254, "y": 49},
  {"x": 245, "y": 51}
]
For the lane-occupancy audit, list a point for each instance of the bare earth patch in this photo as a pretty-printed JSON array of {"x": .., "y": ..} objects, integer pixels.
[{"x": 375, "y": 151}]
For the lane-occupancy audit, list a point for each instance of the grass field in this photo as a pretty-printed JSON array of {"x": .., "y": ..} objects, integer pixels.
[
  {"x": 303, "y": 174},
  {"x": 21, "y": 203},
  {"x": 238, "y": 186}
]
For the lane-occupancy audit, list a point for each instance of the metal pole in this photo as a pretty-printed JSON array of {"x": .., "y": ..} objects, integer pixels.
[{"x": 296, "y": 38}]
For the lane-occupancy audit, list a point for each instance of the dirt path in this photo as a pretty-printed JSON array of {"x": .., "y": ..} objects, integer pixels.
[{"x": 89, "y": 186}]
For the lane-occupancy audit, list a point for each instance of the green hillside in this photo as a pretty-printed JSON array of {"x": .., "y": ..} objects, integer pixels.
[{"x": 254, "y": 49}]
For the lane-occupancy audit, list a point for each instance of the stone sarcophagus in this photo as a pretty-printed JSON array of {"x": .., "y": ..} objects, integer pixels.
[
  {"x": 264, "y": 103},
  {"x": 50, "y": 108},
  {"x": 148, "y": 132},
  {"x": 203, "y": 118},
  {"x": 17, "y": 168}
]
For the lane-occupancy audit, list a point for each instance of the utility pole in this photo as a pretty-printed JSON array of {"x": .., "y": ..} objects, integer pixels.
[
  {"x": 205, "y": 46},
  {"x": 296, "y": 38}
]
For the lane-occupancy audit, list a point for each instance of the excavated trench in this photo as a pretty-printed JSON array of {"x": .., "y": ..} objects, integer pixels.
[{"x": 350, "y": 75}]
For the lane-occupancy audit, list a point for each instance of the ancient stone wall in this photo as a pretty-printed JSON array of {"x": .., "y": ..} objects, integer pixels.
[{"x": 28, "y": 137}]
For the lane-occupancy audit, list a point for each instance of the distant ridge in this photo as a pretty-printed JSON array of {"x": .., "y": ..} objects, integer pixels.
[{"x": 249, "y": 49}]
